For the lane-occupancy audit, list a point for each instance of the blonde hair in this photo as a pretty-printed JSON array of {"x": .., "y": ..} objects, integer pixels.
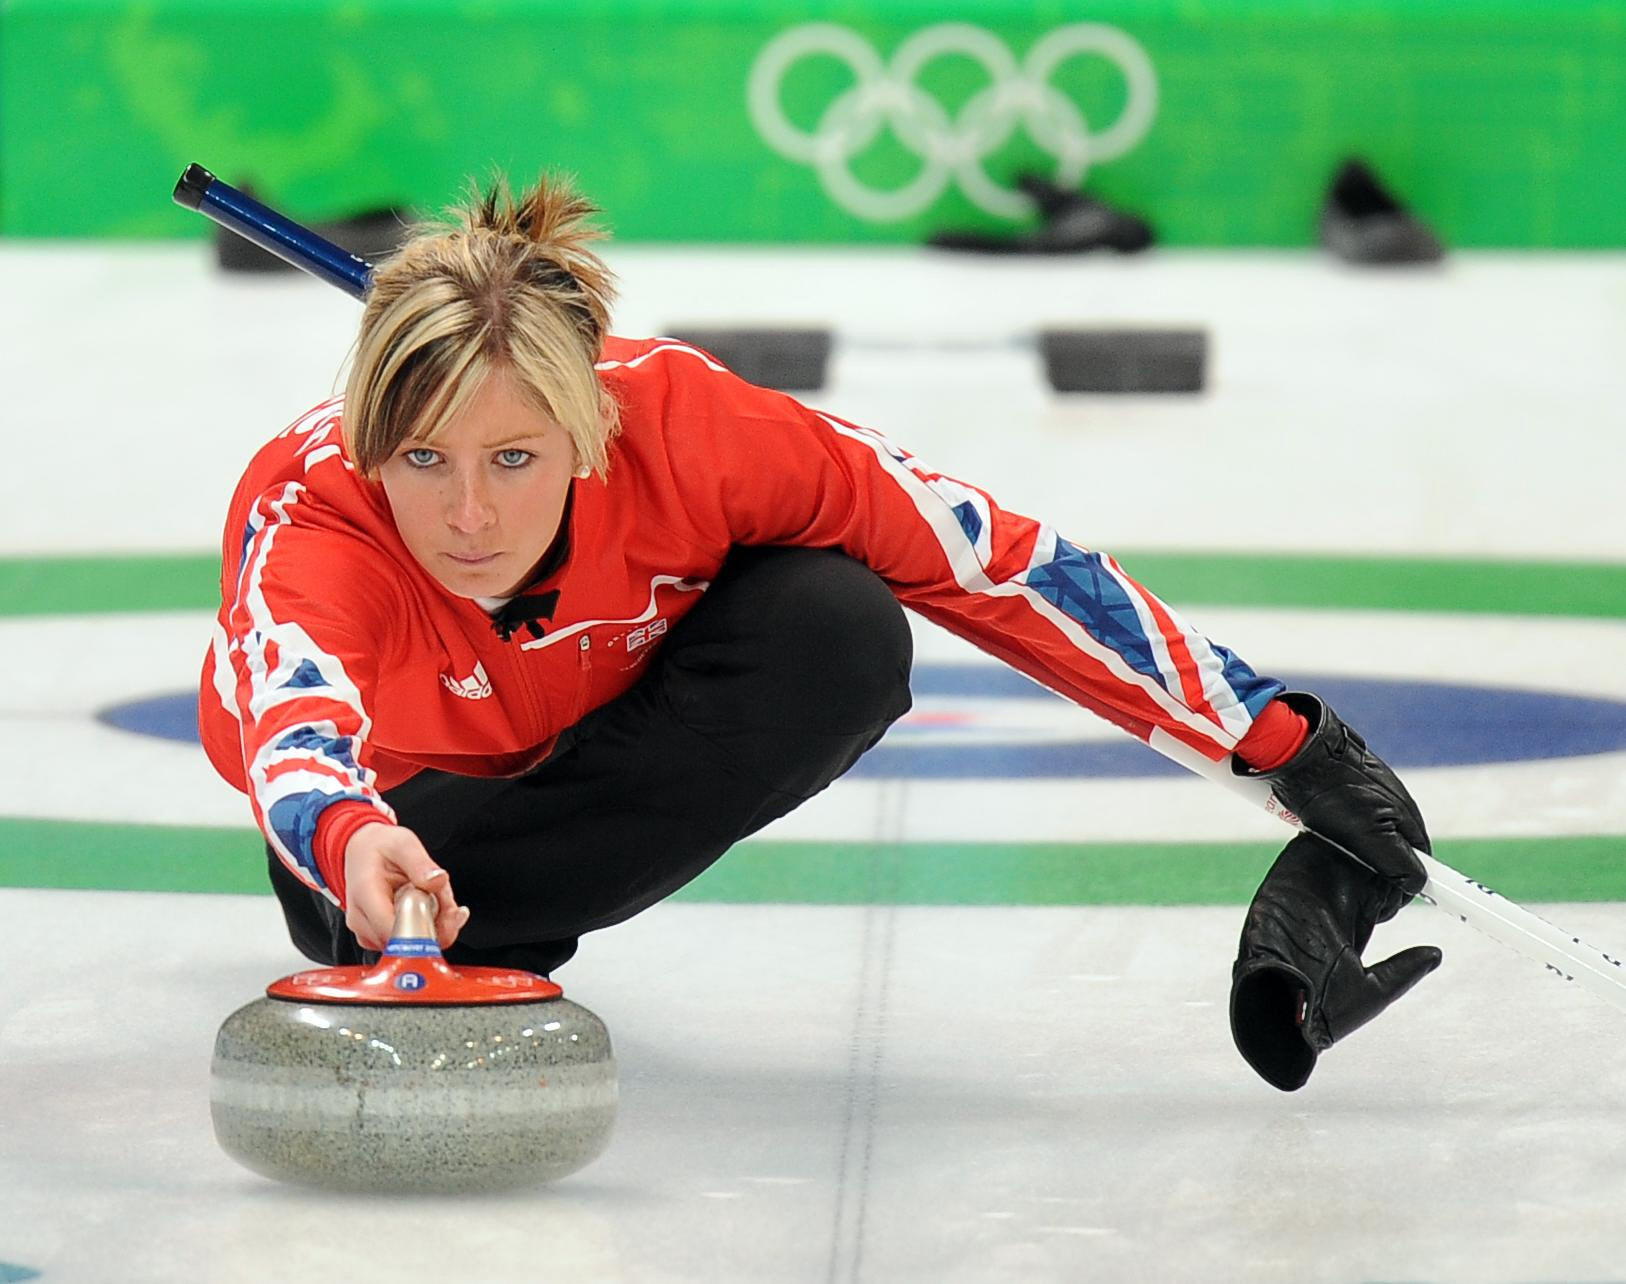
[{"x": 504, "y": 283}]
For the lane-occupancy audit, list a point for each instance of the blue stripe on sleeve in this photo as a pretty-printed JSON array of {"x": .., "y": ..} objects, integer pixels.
[
  {"x": 250, "y": 530},
  {"x": 294, "y": 819},
  {"x": 1253, "y": 690},
  {"x": 307, "y": 675},
  {"x": 340, "y": 749},
  {"x": 1077, "y": 584},
  {"x": 970, "y": 520}
]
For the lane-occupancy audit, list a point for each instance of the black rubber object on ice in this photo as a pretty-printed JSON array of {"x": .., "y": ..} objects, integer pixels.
[
  {"x": 790, "y": 360},
  {"x": 1115, "y": 360},
  {"x": 1088, "y": 360}
]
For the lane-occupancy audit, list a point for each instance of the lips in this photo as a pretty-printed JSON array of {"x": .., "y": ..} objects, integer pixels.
[{"x": 473, "y": 559}]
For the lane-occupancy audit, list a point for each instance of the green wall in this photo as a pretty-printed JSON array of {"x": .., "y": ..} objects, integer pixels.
[{"x": 1504, "y": 122}]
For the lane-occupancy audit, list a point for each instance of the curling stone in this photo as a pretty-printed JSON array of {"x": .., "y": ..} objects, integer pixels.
[{"x": 413, "y": 1076}]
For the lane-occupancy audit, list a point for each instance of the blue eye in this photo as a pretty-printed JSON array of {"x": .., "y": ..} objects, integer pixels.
[
  {"x": 513, "y": 457},
  {"x": 420, "y": 456}
]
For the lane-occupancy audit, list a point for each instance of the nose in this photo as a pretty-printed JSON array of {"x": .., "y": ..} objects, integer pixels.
[{"x": 470, "y": 509}]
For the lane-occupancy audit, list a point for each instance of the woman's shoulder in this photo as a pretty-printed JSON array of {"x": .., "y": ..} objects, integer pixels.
[
  {"x": 653, "y": 356},
  {"x": 307, "y": 461},
  {"x": 302, "y": 479},
  {"x": 664, "y": 383},
  {"x": 666, "y": 373}
]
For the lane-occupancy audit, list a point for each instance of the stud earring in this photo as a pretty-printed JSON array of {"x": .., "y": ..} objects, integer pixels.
[{"x": 584, "y": 471}]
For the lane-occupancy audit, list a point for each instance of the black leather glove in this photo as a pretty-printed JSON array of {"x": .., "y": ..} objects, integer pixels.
[
  {"x": 1299, "y": 984},
  {"x": 1346, "y": 794}
]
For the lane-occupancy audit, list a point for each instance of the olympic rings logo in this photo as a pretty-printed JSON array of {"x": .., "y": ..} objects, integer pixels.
[{"x": 887, "y": 95}]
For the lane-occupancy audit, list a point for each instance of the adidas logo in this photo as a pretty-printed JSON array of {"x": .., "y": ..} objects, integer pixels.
[{"x": 475, "y": 687}]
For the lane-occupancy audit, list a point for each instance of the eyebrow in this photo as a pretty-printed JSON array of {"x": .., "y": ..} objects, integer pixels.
[{"x": 416, "y": 443}]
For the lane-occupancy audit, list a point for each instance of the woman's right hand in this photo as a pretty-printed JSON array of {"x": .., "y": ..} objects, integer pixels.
[{"x": 381, "y": 859}]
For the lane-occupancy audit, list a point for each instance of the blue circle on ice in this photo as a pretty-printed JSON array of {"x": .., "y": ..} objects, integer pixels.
[{"x": 981, "y": 721}]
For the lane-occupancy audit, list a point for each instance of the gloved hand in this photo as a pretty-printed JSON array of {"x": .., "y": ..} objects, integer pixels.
[
  {"x": 1299, "y": 984},
  {"x": 1346, "y": 794}
]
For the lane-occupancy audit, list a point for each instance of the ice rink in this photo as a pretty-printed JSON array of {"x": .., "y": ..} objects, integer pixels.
[{"x": 964, "y": 1021}]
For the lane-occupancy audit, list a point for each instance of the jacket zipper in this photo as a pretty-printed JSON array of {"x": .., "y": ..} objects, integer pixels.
[{"x": 583, "y": 669}]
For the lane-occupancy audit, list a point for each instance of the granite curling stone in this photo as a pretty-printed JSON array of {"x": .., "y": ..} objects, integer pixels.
[{"x": 410, "y": 1076}]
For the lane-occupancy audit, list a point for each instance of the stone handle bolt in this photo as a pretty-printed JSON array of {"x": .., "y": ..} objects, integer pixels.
[{"x": 414, "y": 914}]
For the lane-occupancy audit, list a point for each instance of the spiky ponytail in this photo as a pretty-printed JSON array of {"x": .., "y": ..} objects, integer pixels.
[{"x": 504, "y": 282}]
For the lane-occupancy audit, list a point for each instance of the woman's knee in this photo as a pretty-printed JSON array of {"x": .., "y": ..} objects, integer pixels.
[
  {"x": 817, "y": 637},
  {"x": 840, "y": 619}
]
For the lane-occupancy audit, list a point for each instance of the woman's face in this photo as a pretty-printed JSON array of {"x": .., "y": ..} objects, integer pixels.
[{"x": 480, "y": 506}]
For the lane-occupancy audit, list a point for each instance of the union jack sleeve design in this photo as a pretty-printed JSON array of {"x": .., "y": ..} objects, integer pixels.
[
  {"x": 1069, "y": 617},
  {"x": 305, "y": 720}
]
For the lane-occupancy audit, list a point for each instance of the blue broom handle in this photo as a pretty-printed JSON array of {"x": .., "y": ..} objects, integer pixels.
[{"x": 275, "y": 233}]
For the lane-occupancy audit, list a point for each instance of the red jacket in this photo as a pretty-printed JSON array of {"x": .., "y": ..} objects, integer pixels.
[{"x": 340, "y": 668}]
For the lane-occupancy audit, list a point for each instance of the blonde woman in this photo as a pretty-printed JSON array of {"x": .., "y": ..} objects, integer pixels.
[{"x": 544, "y": 620}]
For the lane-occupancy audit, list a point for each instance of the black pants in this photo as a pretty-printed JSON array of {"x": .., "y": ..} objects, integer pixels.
[{"x": 792, "y": 665}]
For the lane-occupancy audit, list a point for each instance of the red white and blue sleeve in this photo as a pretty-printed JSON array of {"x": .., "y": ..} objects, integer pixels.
[
  {"x": 1066, "y": 615},
  {"x": 297, "y": 667}
]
